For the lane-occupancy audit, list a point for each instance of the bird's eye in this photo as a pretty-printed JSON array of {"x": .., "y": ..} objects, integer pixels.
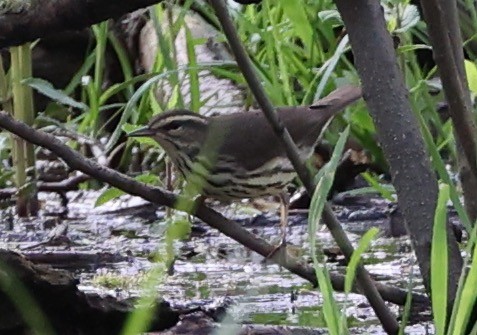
[{"x": 173, "y": 125}]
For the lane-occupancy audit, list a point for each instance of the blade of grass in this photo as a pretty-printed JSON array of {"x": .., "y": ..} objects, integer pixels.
[
  {"x": 131, "y": 105},
  {"x": 440, "y": 167},
  {"x": 193, "y": 72},
  {"x": 467, "y": 298},
  {"x": 407, "y": 306},
  {"x": 123, "y": 58},
  {"x": 363, "y": 245},
  {"x": 439, "y": 262},
  {"x": 469, "y": 258},
  {"x": 330, "y": 66},
  {"x": 326, "y": 176},
  {"x": 385, "y": 192},
  {"x": 165, "y": 46},
  {"x": 299, "y": 19},
  {"x": 84, "y": 70},
  {"x": 283, "y": 73},
  {"x": 46, "y": 88}
]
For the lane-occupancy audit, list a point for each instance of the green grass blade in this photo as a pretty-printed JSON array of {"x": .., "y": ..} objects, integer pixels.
[
  {"x": 46, "y": 88},
  {"x": 439, "y": 262},
  {"x": 83, "y": 71},
  {"x": 467, "y": 298},
  {"x": 407, "y": 306},
  {"x": 363, "y": 245},
  {"x": 299, "y": 19},
  {"x": 193, "y": 72},
  {"x": 123, "y": 57},
  {"x": 440, "y": 167},
  {"x": 326, "y": 176},
  {"x": 330, "y": 66},
  {"x": 131, "y": 106},
  {"x": 463, "y": 276},
  {"x": 385, "y": 191},
  {"x": 116, "y": 88}
]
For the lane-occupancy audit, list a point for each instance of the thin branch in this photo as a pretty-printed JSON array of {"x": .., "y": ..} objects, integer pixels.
[
  {"x": 69, "y": 184},
  {"x": 157, "y": 196},
  {"x": 364, "y": 279}
]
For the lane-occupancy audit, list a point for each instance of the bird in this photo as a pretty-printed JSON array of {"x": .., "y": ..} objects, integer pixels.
[{"x": 239, "y": 156}]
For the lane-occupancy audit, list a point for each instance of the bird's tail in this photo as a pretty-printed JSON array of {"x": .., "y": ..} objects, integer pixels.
[{"x": 338, "y": 99}]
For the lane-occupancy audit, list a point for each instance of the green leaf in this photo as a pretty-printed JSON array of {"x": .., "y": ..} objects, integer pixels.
[
  {"x": 329, "y": 67},
  {"x": 108, "y": 195},
  {"x": 363, "y": 120},
  {"x": 391, "y": 24},
  {"x": 331, "y": 14},
  {"x": 410, "y": 18},
  {"x": 299, "y": 20},
  {"x": 471, "y": 71},
  {"x": 439, "y": 262},
  {"x": 127, "y": 127},
  {"x": 46, "y": 88},
  {"x": 178, "y": 230},
  {"x": 193, "y": 72},
  {"x": 174, "y": 99},
  {"x": 156, "y": 108},
  {"x": 385, "y": 191},
  {"x": 148, "y": 178},
  {"x": 83, "y": 71},
  {"x": 116, "y": 88},
  {"x": 413, "y": 47},
  {"x": 468, "y": 297},
  {"x": 325, "y": 180},
  {"x": 356, "y": 257},
  {"x": 114, "y": 193},
  {"x": 131, "y": 107},
  {"x": 369, "y": 190}
]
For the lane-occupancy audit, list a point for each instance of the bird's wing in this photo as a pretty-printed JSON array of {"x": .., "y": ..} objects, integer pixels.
[{"x": 248, "y": 138}]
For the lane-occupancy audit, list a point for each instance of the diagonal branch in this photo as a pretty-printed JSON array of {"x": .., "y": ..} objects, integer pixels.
[
  {"x": 364, "y": 279},
  {"x": 157, "y": 196}
]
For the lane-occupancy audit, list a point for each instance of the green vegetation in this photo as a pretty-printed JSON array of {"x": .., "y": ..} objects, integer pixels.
[{"x": 301, "y": 52}]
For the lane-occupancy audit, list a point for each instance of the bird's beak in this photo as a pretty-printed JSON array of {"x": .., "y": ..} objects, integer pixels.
[{"x": 144, "y": 131}]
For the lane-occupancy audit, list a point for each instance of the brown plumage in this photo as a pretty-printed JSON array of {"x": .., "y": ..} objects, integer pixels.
[{"x": 238, "y": 155}]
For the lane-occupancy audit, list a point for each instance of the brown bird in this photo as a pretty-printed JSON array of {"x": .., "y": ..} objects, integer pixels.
[{"x": 236, "y": 156}]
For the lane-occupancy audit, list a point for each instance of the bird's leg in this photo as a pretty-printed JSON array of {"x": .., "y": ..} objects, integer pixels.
[
  {"x": 281, "y": 248},
  {"x": 284, "y": 205}
]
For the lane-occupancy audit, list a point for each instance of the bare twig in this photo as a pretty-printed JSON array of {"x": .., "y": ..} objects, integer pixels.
[
  {"x": 364, "y": 280},
  {"x": 69, "y": 184}
]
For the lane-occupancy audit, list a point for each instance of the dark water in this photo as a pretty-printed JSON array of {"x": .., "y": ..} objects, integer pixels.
[{"x": 212, "y": 270}]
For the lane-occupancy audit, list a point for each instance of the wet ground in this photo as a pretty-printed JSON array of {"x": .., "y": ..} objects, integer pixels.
[{"x": 111, "y": 247}]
